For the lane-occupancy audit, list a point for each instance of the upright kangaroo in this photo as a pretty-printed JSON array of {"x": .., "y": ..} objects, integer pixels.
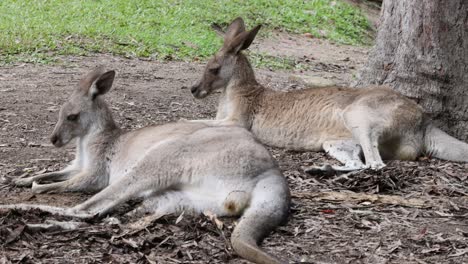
[
  {"x": 175, "y": 167},
  {"x": 342, "y": 121}
]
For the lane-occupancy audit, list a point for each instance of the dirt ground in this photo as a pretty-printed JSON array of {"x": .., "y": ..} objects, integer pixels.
[{"x": 414, "y": 212}]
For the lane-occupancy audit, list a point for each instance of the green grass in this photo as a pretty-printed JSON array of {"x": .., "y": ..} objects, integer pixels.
[
  {"x": 36, "y": 31},
  {"x": 276, "y": 63}
]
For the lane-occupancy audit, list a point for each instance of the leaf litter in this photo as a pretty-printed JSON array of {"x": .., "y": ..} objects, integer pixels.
[{"x": 408, "y": 212}]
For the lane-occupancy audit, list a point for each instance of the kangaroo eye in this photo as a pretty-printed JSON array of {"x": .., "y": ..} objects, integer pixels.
[{"x": 72, "y": 117}]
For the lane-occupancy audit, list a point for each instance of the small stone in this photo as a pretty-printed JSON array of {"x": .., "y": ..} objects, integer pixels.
[{"x": 308, "y": 35}]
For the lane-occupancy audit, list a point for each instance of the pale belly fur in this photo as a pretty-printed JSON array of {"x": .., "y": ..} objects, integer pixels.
[{"x": 222, "y": 197}]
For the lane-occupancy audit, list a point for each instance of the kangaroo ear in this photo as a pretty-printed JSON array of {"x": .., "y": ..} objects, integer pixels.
[
  {"x": 87, "y": 81},
  {"x": 243, "y": 40},
  {"x": 102, "y": 84},
  {"x": 236, "y": 27}
]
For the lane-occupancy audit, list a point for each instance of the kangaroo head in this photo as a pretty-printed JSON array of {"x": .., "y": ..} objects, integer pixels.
[
  {"x": 84, "y": 109},
  {"x": 225, "y": 63}
]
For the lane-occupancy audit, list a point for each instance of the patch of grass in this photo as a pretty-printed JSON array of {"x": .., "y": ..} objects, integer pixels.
[
  {"x": 262, "y": 60},
  {"x": 161, "y": 29}
]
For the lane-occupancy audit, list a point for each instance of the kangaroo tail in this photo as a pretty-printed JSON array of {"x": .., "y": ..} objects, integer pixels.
[
  {"x": 443, "y": 146},
  {"x": 269, "y": 207}
]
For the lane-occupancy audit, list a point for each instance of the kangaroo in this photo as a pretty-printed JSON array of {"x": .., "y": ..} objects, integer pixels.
[
  {"x": 184, "y": 166},
  {"x": 344, "y": 122}
]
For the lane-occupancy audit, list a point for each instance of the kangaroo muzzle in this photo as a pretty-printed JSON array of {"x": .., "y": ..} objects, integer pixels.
[
  {"x": 56, "y": 141},
  {"x": 198, "y": 92}
]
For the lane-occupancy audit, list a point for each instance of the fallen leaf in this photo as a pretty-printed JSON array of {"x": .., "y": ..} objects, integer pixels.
[
  {"x": 15, "y": 234},
  {"x": 394, "y": 246},
  {"x": 460, "y": 252},
  {"x": 213, "y": 218},
  {"x": 130, "y": 242},
  {"x": 181, "y": 216}
]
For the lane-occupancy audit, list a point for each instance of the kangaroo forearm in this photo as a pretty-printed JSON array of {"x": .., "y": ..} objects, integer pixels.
[
  {"x": 51, "y": 176},
  {"x": 82, "y": 181},
  {"x": 56, "y": 175}
]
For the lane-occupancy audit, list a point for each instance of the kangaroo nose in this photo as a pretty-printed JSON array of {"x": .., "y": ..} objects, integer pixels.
[
  {"x": 54, "y": 139},
  {"x": 194, "y": 89}
]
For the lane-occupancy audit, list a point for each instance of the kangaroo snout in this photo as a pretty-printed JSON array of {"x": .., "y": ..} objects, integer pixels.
[
  {"x": 55, "y": 140},
  {"x": 194, "y": 88},
  {"x": 198, "y": 92}
]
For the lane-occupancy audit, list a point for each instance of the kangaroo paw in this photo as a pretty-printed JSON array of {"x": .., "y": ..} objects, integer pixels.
[
  {"x": 40, "y": 188},
  {"x": 376, "y": 166},
  {"x": 23, "y": 182},
  {"x": 329, "y": 170}
]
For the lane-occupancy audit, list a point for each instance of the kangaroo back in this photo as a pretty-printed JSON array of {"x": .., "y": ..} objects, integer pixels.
[
  {"x": 268, "y": 208},
  {"x": 443, "y": 146}
]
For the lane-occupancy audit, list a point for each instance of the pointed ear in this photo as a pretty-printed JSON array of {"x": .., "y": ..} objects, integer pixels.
[
  {"x": 236, "y": 27},
  {"x": 87, "y": 81},
  {"x": 102, "y": 84},
  {"x": 243, "y": 40}
]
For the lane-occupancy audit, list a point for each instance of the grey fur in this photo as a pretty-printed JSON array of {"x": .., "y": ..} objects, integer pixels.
[
  {"x": 184, "y": 166},
  {"x": 376, "y": 121}
]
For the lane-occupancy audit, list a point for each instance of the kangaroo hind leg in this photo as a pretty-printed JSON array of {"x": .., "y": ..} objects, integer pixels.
[
  {"x": 346, "y": 151},
  {"x": 157, "y": 206},
  {"x": 191, "y": 201},
  {"x": 169, "y": 202}
]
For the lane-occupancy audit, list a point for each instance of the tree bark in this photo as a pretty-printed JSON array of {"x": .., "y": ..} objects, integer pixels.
[{"x": 421, "y": 50}]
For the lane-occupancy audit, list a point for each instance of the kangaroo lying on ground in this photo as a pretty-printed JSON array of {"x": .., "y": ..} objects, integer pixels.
[
  {"x": 341, "y": 121},
  {"x": 176, "y": 167}
]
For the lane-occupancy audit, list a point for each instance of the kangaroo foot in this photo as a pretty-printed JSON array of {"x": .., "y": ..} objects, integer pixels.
[
  {"x": 329, "y": 170},
  {"x": 24, "y": 182}
]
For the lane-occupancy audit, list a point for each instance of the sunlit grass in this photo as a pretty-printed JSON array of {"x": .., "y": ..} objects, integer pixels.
[{"x": 167, "y": 29}]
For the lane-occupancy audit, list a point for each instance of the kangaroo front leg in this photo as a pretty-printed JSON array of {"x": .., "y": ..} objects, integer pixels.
[
  {"x": 50, "y": 176},
  {"x": 366, "y": 129},
  {"x": 84, "y": 181},
  {"x": 346, "y": 151},
  {"x": 368, "y": 139}
]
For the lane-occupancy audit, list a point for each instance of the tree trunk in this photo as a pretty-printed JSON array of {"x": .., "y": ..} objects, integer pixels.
[{"x": 422, "y": 51}]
